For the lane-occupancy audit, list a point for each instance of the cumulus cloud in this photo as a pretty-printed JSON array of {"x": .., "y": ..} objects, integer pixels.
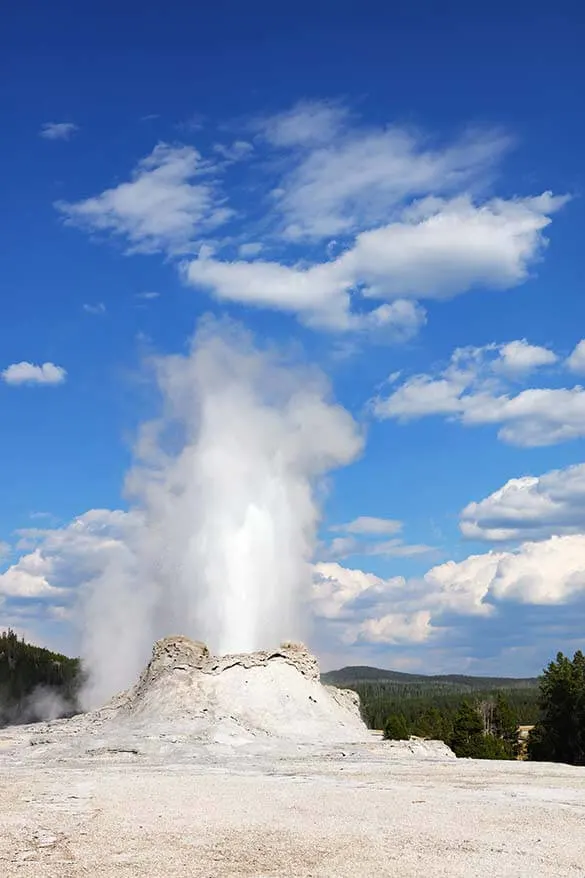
[
  {"x": 57, "y": 559},
  {"x": 576, "y": 361},
  {"x": 439, "y": 250},
  {"x": 111, "y": 557},
  {"x": 551, "y": 571},
  {"x": 28, "y": 373},
  {"x": 171, "y": 200},
  {"x": 58, "y": 130},
  {"x": 28, "y": 578},
  {"x": 474, "y": 389},
  {"x": 530, "y": 507},
  {"x": 518, "y": 358},
  {"x": 393, "y": 628},
  {"x": 361, "y": 607},
  {"x": 336, "y": 589}
]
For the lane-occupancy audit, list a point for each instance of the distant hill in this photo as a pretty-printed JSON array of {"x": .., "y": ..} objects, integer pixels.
[
  {"x": 384, "y": 693},
  {"x": 359, "y": 674}
]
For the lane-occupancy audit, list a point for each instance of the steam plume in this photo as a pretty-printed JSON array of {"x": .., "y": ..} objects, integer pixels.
[{"x": 224, "y": 489}]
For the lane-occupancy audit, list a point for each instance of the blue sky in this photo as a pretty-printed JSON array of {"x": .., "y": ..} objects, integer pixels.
[{"x": 379, "y": 187}]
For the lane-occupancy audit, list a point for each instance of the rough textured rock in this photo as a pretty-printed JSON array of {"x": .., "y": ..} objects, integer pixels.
[
  {"x": 237, "y": 698},
  {"x": 421, "y": 748}
]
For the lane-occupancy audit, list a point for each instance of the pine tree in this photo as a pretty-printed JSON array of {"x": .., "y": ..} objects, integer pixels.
[
  {"x": 559, "y": 736},
  {"x": 468, "y": 733},
  {"x": 396, "y": 728}
]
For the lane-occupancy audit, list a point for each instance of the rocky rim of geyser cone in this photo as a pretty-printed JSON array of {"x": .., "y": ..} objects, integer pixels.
[{"x": 276, "y": 694}]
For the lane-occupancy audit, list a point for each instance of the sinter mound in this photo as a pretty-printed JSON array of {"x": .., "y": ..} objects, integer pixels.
[{"x": 221, "y": 698}]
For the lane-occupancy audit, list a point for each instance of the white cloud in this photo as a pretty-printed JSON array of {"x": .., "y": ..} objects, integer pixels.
[
  {"x": 440, "y": 250},
  {"x": 61, "y": 614},
  {"x": 534, "y": 417},
  {"x": 98, "y": 308},
  {"x": 444, "y": 248},
  {"x": 360, "y": 607},
  {"x": 548, "y": 572},
  {"x": 344, "y": 547},
  {"x": 393, "y": 628},
  {"x": 518, "y": 358},
  {"x": 366, "y": 524},
  {"x": 343, "y": 178},
  {"x": 58, "y": 560},
  {"x": 147, "y": 296},
  {"x": 531, "y": 507},
  {"x": 235, "y": 152},
  {"x": 29, "y": 577},
  {"x": 354, "y": 606},
  {"x": 336, "y": 588},
  {"x": 171, "y": 200},
  {"x": 251, "y": 248},
  {"x": 315, "y": 294},
  {"x": 576, "y": 361},
  {"x": 473, "y": 389},
  {"x": 363, "y": 536},
  {"x": 28, "y": 373},
  {"x": 409, "y": 221},
  {"x": 308, "y": 123},
  {"x": 58, "y": 130}
]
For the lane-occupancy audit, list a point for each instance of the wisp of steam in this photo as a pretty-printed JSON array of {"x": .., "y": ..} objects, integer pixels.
[{"x": 224, "y": 494}]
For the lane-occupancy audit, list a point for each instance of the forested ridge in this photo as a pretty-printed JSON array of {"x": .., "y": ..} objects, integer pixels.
[
  {"x": 35, "y": 683},
  {"x": 479, "y": 717},
  {"x": 360, "y": 674},
  {"x": 381, "y": 700}
]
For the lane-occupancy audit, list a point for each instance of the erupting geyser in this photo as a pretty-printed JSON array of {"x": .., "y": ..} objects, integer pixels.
[{"x": 223, "y": 525}]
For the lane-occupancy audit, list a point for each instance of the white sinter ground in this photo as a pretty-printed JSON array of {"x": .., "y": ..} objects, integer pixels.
[{"x": 247, "y": 766}]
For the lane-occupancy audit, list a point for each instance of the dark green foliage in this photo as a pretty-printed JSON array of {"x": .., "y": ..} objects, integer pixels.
[
  {"x": 359, "y": 674},
  {"x": 431, "y": 705},
  {"x": 505, "y": 720},
  {"x": 493, "y": 747},
  {"x": 468, "y": 733},
  {"x": 429, "y": 712},
  {"x": 396, "y": 728},
  {"x": 31, "y": 678},
  {"x": 559, "y": 735}
]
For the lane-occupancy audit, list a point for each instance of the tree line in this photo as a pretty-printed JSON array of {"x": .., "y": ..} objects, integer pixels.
[
  {"x": 484, "y": 725},
  {"x": 35, "y": 683}
]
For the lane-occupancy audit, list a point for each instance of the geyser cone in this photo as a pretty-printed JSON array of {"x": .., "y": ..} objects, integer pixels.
[{"x": 263, "y": 694}]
